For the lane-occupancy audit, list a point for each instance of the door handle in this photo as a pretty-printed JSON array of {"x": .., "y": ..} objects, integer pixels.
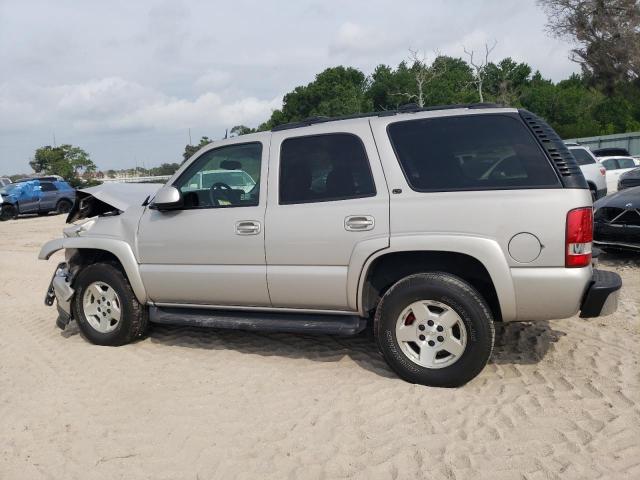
[
  {"x": 247, "y": 227},
  {"x": 359, "y": 223}
]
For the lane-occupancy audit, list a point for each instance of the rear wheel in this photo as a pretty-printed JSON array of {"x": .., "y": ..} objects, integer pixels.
[
  {"x": 434, "y": 329},
  {"x": 63, "y": 206},
  {"x": 8, "y": 212},
  {"x": 106, "y": 308}
]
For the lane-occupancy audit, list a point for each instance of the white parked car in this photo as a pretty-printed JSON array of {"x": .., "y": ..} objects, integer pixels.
[
  {"x": 615, "y": 167},
  {"x": 594, "y": 173}
]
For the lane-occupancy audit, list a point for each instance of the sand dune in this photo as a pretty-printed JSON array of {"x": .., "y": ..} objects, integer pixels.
[{"x": 559, "y": 399}]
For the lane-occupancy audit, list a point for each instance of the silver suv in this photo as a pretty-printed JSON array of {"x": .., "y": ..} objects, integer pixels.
[{"x": 429, "y": 225}]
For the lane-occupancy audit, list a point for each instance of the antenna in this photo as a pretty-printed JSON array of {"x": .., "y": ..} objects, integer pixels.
[
  {"x": 190, "y": 136},
  {"x": 54, "y": 139}
]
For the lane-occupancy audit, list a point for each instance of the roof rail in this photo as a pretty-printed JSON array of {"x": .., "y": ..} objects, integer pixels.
[{"x": 408, "y": 108}]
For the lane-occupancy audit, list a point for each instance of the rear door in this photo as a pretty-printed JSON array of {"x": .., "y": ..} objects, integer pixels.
[
  {"x": 48, "y": 196},
  {"x": 328, "y": 203}
]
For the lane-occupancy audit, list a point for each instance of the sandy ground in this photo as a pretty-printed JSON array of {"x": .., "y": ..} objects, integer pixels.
[{"x": 559, "y": 399}]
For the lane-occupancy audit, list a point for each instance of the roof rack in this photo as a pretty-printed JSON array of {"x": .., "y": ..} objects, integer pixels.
[{"x": 408, "y": 108}]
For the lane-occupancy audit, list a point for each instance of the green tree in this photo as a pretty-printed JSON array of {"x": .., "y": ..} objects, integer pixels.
[
  {"x": 189, "y": 150},
  {"x": 335, "y": 91},
  {"x": 68, "y": 161},
  {"x": 607, "y": 34},
  {"x": 240, "y": 130}
]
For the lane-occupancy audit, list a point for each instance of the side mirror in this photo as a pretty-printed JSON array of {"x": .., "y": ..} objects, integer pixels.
[{"x": 167, "y": 198}]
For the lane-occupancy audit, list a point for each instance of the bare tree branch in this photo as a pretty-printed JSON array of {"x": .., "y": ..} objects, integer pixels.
[{"x": 480, "y": 67}]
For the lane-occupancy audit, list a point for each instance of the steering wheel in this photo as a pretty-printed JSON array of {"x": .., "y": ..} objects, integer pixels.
[{"x": 215, "y": 190}]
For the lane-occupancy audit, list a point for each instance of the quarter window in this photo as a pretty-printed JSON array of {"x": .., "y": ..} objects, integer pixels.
[
  {"x": 224, "y": 177},
  {"x": 48, "y": 187},
  {"x": 322, "y": 168},
  {"x": 626, "y": 163},
  {"x": 475, "y": 152}
]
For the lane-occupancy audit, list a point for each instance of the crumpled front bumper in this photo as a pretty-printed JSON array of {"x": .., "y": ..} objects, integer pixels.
[{"x": 61, "y": 291}]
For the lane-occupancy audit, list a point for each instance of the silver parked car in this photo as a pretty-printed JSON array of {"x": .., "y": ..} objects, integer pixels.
[{"x": 430, "y": 225}]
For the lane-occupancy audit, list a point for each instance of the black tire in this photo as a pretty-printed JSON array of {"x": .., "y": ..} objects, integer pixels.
[
  {"x": 464, "y": 300},
  {"x": 63, "y": 206},
  {"x": 134, "y": 317},
  {"x": 8, "y": 212}
]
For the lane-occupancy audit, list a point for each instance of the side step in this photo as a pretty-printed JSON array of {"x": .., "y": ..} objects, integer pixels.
[{"x": 260, "y": 321}]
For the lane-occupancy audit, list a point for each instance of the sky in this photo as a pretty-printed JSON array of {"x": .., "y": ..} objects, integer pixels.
[{"x": 126, "y": 80}]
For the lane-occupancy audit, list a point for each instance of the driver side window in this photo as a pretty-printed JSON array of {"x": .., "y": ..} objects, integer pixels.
[{"x": 223, "y": 177}]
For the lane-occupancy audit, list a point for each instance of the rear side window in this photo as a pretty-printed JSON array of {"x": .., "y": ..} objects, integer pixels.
[
  {"x": 322, "y": 168},
  {"x": 475, "y": 152},
  {"x": 610, "y": 164},
  {"x": 582, "y": 156},
  {"x": 48, "y": 187},
  {"x": 626, "y": 163}
]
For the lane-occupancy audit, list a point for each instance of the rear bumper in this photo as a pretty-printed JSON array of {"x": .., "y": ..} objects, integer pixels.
[{"x": 601, "y": 297}]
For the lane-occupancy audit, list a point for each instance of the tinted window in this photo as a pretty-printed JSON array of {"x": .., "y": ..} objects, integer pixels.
[
  {"x": 224, "y": 177},
  {"x": 474, "y": 152},
  {"x": 48, "y": 187},
  {"x": 320, "y": 168},
  {"x": 626, "y": 163},
  {"x": 582, "y": 156},
  {"x": 609, "y": 164}
]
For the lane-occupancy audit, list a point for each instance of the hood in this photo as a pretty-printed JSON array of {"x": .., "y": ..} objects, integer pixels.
[
  {"x": 635, "y": 173},
  {"x": 112, "y": 198},
  {"x": 621, "y": 199}
]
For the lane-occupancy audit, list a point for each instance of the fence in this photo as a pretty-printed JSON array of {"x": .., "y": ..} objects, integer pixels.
[{"x": 630, "y": 141}]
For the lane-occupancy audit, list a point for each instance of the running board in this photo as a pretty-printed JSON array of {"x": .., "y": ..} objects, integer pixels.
[{"x": 260, "y": 321}]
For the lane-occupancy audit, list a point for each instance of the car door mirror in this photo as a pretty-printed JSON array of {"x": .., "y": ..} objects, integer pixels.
[{"x": 167, "y": 198}]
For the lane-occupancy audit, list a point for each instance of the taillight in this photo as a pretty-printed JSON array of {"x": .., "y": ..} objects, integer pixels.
[
  {"x": 603, "y": 171},
  {"x": 579, "y": 237}
]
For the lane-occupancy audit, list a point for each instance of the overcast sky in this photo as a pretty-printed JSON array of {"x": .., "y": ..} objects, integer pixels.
[{"x": 126, "y": 79}]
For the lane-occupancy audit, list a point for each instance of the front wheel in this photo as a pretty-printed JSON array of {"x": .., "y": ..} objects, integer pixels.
[
  {"x": 8, "y": 212},
  {"x": 105, "y": 306},
  {"x": 434, "y": 329},
  {"x": 63, "y": 206}
]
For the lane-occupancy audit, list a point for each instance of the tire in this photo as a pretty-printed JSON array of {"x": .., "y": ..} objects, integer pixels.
[
  {"x": 447, "y": 299},
  {"x": 132, "y": 321},
  {"x": 8, "y": 212},
  {"x": 63, "y": 206}
]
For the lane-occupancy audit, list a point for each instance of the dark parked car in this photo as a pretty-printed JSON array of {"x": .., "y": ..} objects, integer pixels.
[
  {"x": 39, "y": 196},
  {"x": 617, "y": 221},
  {"x": 611, "y": 152},
  {"x": 629, "y": 179}
]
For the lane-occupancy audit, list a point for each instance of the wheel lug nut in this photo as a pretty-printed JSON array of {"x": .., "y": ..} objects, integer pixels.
[
  {"x": 421, "y": 337},
  {"x": 439, "y": 327},
  {"x": 421, "y": 327},
  {"x": 430, "y": 323},
  {"x": 441, "y": 339},
  {"x": 431, "y": 343}
]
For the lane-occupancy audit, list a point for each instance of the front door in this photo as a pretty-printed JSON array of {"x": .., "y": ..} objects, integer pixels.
[
  {"x": 211, "y": 252},
  {"x": 328, "y": 205}
]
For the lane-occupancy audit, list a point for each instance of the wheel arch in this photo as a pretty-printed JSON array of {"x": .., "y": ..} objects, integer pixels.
[
  {"x": 101, "y": 248},
  {"x": 479, "y": 261}
]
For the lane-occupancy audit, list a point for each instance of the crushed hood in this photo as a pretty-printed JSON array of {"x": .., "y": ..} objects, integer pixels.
[{"x": 110, "y": 198}]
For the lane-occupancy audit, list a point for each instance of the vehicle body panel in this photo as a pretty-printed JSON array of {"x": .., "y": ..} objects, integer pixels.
[
  {"x": 614, "y": 170},
  {"x": 591, "y": 171},
  {"x": 190, "y": 255},
  {"x": 307, "y": 246}
]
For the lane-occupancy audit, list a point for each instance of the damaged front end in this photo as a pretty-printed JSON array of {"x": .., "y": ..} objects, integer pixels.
[
  {"x": 106, "y": 218},
  {"x": 60, "y": 289},
  {"x": 110, "y": 199}
]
